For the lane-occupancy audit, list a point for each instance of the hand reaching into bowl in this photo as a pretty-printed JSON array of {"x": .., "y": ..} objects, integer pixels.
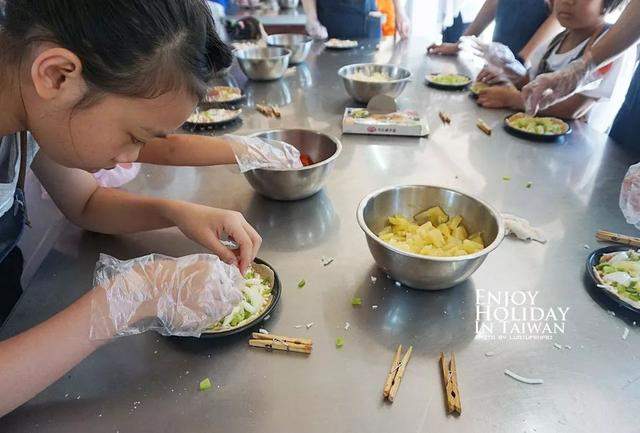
[{"x": 254, "y": 152}]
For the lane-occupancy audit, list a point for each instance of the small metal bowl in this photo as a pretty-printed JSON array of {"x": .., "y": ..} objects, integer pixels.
[
  {"x": 419, "y": 271},
  {"x": 288, "y": 4},
  {"x": 363, "y": 91},
  {"x": 263, "y": 64},
  {"x": 297, "y": 184},
  {"x": 300, "y": 45}
]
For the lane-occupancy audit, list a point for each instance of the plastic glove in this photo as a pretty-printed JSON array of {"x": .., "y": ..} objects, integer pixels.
[
  {"x": 316, "y": 30},
  {"x": 254, "y": 152},
  {"x": 491, "y": 75},
  {"x": 403, "y": 25},
  {"x": 497, "y": 55},
  {"x": 548, "y": 89},
  {"x": 174, "y": 296},
  {"x": 522, "y": 229},
  {"x": 630, "y": 196}
]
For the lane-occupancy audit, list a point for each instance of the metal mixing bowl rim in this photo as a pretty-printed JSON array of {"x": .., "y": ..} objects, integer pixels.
[
  {"x": 341, "y": 73},
  {"x": 333, "y": 157},
  {"x": 237, "y": 53},
  {"x": 486, "y": 250},
  {"x": 306, "y": 40}
]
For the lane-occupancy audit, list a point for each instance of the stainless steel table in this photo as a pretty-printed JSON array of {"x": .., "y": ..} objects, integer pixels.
[{"x": 149, "y": 383}]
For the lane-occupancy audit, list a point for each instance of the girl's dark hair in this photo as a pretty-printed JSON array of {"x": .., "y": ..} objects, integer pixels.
[{"x": 137, "y": 48}]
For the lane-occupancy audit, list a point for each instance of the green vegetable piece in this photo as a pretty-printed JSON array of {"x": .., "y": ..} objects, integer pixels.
[
  {"x": 205, "y": 384},
  {"x": 608, "y": 269},
  {"x": 339, "y": 342},
  {"x": 356, "y": 302},
  {"x": 529, "y": 184},
  {"x": 301, "y": 284},
  {"x": 506, "y": 178}
]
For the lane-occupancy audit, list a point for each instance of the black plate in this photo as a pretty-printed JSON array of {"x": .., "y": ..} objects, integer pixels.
[
  {"x": 454, "y": 87},
  {"x": 192, "y": 126},
  {"x": 593, "y": 260},
  {"x": 534, "y": 137},
  {"x": 275, "y": 292}
]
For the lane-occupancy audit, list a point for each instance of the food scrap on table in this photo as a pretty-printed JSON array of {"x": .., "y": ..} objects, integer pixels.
[
  {"x": 444, "y": 117},
  {"x": 277, "y": 342},
  {"x": 356, "y": 301},
  {"x": 268, "y": 110},
  {"x": 522, "y": 229},
  {"x": 450, "y": 383},
  {"x": 301, "y": 284},
  {"x": 482, "y": 125},
  {"x": 528, "y": 381},
  {"x": 205, "y": 384},
  {"x": 339, "y": 342},
  {"x": 396, "y": 372}
]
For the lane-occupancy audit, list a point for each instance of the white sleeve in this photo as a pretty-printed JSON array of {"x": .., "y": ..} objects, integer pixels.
[
  {"x": 534, "y": 60},
  {"x": 618, "y": 76}
]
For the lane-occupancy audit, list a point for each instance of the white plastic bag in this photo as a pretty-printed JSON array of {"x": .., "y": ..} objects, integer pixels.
[{"x": 254, "y": 152}]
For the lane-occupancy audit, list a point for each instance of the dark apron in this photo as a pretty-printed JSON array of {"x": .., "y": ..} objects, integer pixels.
[
  {"x": 349, "y": 19},
  {"x": 518, "y": 20},
  {"x": 11, "y": 227},
  {"x": 625, "y": 126}
]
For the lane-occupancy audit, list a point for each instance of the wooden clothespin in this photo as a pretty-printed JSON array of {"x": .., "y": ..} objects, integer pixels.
[{"x": 450, "y": 383}]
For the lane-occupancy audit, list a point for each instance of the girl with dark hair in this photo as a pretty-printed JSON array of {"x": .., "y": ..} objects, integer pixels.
[{"x": 86, "y": 85}]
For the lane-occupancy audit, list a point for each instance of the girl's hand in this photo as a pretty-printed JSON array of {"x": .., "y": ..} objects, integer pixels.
[
  {"x": 446, "y": 49},
  {"x": 174, "y": 296},
  {"x": 501, "y": 97},
  {"x": 206, "y": 225},
  {"x": 491, "y": 75}
]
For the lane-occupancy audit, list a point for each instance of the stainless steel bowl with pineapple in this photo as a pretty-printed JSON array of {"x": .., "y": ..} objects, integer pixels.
[{"x": 428, "y": 237}]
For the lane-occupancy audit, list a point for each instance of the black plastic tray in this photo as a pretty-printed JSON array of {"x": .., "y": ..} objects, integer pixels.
[{"x": 535, "y": 137}]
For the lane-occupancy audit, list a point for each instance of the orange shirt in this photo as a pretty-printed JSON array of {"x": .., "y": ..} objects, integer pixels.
[{"x": 387, "y": 8}]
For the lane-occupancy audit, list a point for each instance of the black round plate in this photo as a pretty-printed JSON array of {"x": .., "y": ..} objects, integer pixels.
[
  {"x": 275, "y": 292},
  {"x": 453, "y": 87},
  {"x": 534, "y": 137},
  {"x": 191, "y": 126},
  {"x": 593, "y": 260}
]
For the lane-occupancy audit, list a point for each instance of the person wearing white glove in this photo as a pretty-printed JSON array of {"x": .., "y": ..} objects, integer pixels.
[
  {"x": 585, "y": 23},
  {"x": 548, "y": 89},
  {"x": 501, "y": 63}
]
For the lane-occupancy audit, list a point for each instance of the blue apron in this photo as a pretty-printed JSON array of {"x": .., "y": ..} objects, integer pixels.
[
  {"x": 625, "y": 126},
  {"x": 518, "y": 20},
  {"x": 349, "y": 19},
  {"x": 11, "y": 227}
]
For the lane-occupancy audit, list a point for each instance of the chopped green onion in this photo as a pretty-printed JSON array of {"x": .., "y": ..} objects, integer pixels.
[
  {"x": 339, "y": 342},
  {"x": 356, "y": 302},
  {"x": 205, "y": 384},
  {"x": 301, "y": 284},
  {"x": 506, "y": 178},
  {"x": 529, "y": 184}
]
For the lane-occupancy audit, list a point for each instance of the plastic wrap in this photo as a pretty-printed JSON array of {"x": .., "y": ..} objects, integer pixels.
[
  {"x": 630, "y": 196},
  {"x": 498, "y": 56},
  {"x": 254, "y": 152}
]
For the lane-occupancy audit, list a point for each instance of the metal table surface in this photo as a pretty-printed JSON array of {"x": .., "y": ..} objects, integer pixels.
[{"x": 148, "y": 383}]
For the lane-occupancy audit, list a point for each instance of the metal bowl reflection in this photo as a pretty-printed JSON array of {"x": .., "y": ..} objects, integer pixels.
[{"x": 419, "y": 271}]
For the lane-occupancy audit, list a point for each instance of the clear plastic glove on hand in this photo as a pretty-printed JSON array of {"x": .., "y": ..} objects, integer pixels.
[
  {"x": 498, "y": 56},
  {"x": 316, "y": 30},
  {"x": 630, "y": 196},
  {"x": 173, "y": 296},
  {"x": 548, "y": 89},
  {"x": 254, "y": 152}
]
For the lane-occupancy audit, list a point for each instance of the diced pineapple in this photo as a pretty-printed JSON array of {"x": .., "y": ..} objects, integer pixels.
[
  {"x": 436, "y": 238},
  {"x": 477, "y": 237},
  {"x": 445, "y": 230},
  {"x": 471, "y": 247},
  {"x": 460, "y": 233},
  {"x": 454, "y": 222},
  {"x": 435, "y": 215}
]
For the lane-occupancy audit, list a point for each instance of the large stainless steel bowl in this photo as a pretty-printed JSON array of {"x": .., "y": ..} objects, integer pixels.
[
  {"x": 298, "y": 44},
  {"x": 426, "y": 272},
  {"x": 263, "y": 64},
  {"x": 363, "y": 91},
  {"x": 296, "y": 184},
  {"x": 288, "y": 4}
]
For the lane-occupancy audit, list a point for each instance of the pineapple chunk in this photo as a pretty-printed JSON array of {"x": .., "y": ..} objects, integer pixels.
[
  {"x": 477, "y": 237},
  {"x": 471, "y": 247},
  {"x": 460, "y": 233},
  {"x": 454, "y": 222},
  {"x": 435, "y": 237},
  {"x": 435, "y": 215}
]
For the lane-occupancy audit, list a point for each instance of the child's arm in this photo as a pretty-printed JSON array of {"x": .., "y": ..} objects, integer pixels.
[
  {"x": 184, "y": 149},
  {"x": 113, "y": 211},
  {"x": 33, "y": 360},
  {"x": 508, "y": 97}
]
